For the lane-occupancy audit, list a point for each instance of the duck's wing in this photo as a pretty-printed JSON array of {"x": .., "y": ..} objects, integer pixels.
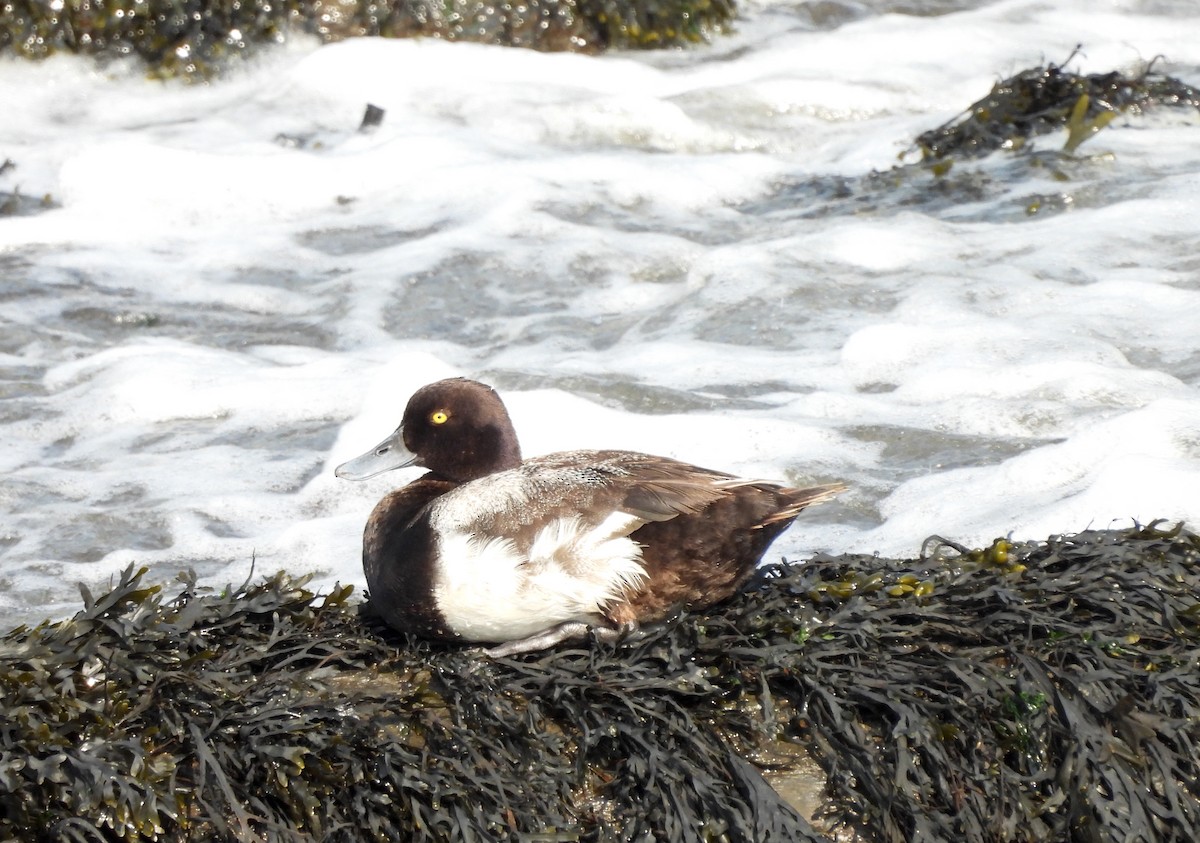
[
  {"x": 594, "y": 487},
  {"x": 697, "y": 560},
  {"x": 659, "y": 488},
  {"x": 646, "y": 487},
  {"x": 798, "y": 499},
  {"x": 612, "y": 491}
]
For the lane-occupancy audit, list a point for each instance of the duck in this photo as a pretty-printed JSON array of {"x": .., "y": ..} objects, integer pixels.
[{"x": 488, "y": 548}]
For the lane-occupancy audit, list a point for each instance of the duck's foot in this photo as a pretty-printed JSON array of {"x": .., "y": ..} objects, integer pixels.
[
  {"x": 567, "y": 631},
  {"x": 613, "y": 634}
]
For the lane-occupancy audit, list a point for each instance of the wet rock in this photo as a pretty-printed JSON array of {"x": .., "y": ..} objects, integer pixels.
[
  {"x": 196, "y": 38},
  {"x": 1022, "y": 691}
]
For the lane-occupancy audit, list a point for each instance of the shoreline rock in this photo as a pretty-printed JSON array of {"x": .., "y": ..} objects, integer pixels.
[
  {"x": 196, "y": 38},
  {"x": 1029, "y": 690}
]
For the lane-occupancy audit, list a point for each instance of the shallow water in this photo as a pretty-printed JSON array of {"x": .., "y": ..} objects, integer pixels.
[{"x": 234, "y": 290}]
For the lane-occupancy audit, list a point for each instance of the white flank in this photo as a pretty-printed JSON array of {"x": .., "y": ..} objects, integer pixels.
[{"x": 487, "y": 591}]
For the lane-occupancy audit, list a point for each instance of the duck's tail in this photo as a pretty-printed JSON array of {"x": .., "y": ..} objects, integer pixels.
[{"x": 798, "y": 499}]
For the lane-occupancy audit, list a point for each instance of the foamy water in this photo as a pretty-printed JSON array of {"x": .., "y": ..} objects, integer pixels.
[{"x": 239, "y": 291}]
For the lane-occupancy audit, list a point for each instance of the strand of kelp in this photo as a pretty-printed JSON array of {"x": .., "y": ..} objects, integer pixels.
[{"x": 1042, "y": 690}]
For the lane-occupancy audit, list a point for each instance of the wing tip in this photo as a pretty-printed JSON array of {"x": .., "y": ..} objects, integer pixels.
[{"x": 801, "y": 499}]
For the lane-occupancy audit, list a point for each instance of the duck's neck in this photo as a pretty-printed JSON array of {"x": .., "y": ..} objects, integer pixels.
[
  {"x": 508, "y": 452},
  {"x": 491, "y": 450}
]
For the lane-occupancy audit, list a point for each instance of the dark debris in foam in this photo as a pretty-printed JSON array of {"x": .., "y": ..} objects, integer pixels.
[
  {"x": 13, "y": 203},
  {"x": 1026, "y": 691}
]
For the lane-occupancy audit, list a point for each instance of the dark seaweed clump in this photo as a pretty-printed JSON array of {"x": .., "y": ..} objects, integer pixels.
[
  {"x": 194, "y": 37},
  {"x": 1037, "y": 101},
  {"x": 1050, "y": 98},
  {"x": 1029, "y": 691}
]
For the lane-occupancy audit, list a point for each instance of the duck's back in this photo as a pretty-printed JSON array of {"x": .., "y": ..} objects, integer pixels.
[{"x": 590, "y": 486}]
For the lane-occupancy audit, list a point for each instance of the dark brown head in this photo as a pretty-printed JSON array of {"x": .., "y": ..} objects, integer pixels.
[{"x": 459, "y": 429}]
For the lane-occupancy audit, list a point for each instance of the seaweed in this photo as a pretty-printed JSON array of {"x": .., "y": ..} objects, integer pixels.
[
  {"x": 1022, "y": 691},
  {"x": 196, "y": 39},
  {"x": 13, "y": 203},
  {"x": 1037, "y": 101},
  {"x": 1049, "y": 98}
]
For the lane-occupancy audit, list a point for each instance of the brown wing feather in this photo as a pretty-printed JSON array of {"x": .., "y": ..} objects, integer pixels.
[
  {"x": 699, "y": 559},
  {"x": 647, "y": 487},
  {"x": 801, "y": 499}
]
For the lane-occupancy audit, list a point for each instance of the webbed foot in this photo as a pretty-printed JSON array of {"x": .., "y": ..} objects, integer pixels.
[
  {"x": 567, "y": 631},
  {"x": 570, "y": 630},
  {"x": 613, "y": 634}
]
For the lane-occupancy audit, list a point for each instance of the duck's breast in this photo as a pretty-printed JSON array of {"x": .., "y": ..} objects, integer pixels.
[{"x": 509, "y": 571}]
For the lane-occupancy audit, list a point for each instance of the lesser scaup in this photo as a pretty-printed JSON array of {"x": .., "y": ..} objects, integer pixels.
[{"x": 486, "y": 547}]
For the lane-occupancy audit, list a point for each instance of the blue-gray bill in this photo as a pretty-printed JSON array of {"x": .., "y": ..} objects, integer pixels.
[{"x": 386, "y": 456}]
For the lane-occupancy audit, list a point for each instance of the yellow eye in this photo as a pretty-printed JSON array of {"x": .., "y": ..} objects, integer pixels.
[{"x": 439, "y": 417}]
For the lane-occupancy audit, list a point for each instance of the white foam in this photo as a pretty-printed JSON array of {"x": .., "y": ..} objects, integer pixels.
[{"x": 1136, "y": 466}]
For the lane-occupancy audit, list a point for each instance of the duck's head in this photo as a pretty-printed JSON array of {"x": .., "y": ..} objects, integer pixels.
[{"x": 459, "y": 429}]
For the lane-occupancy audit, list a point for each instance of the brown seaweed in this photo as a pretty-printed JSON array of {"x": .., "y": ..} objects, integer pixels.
[
  {"x": 1049, "y": 98},
  {"x": 1025, "y": 691},
  {"x": 197, "y": 38},
  {"x": 940, "y": 176},
  {"x": 13, "y": 203}
]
